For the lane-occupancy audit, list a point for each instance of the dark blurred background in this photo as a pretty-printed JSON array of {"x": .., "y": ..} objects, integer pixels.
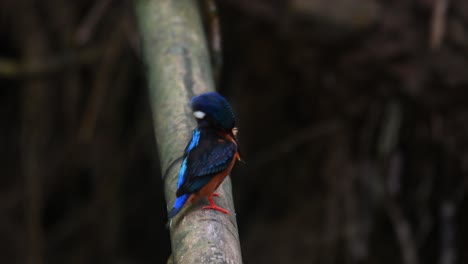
[{"x": 353, "y": 122}]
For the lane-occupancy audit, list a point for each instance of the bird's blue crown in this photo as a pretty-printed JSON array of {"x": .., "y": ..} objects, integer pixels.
[{"x": 211, "y": 109}]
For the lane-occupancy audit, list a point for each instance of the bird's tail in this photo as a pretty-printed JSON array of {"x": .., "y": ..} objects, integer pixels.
[{"x": 179, "y": 203}]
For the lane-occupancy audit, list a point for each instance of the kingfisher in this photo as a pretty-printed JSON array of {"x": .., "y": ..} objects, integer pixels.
[{"x": 210, "y": 154}]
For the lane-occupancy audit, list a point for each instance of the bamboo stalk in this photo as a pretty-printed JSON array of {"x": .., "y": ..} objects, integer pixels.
[
  {"x": 176, "y": 54},
  {"x": 36, "y": 120}
]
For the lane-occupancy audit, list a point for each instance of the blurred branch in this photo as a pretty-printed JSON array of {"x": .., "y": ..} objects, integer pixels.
[
  {"x": 63, "y": 14},
  {"x": 439, "y": 21},
  {"x": 336, "y": 174},
  {"x": 35, "y": 129},
  {"x": 101, "y": 84},
  {"x": 214, "y": 36},
  {"x": 403, "y": 232},
  {"x": 89, "y": 23},
  {"x": 178, "y": 68},
  {"x": 389, "y": 136},
  {"x": 390, "y": 166},
  {"x": 10, "y": 68},
  {"x": 301, "y": 137},
  {"x": 447, "y": 211}
]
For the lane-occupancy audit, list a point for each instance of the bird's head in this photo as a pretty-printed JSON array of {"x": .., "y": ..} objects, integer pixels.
[{"x": 212, "y": 110}]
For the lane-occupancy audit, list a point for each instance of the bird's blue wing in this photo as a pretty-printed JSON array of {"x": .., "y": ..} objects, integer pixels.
[
  {"x": 204, "y": 161},
  {"x": 215, "y": 159},
  {"x": 183, "y": 169},
  {"x": 184, "y": 174}
]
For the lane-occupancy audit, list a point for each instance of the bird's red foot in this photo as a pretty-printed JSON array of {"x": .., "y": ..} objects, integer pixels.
[
  {"x": 213, "y": 206},
  {"x": 216, "y": 194},
  {"x": 217, "y": 208}
]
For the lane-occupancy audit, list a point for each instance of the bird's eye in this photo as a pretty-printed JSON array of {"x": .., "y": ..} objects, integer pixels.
[{"x": 199, "y": 114}]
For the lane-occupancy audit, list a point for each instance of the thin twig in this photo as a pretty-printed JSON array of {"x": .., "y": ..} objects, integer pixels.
[
  {"x": 88, "y": 25},
  {"x": 101, "y": 84},
  {"x": 35, "y": 130},
  {"x": 439, "y": 20},
  {"x": 311, "y": 133},
  {"x": 403, "y": 232},
  {"x": 214, "y": 37},
  {"x": 14, "y": 68},
  {"x": 334, "y": 173},
  {"x": 447, "y": 212}
]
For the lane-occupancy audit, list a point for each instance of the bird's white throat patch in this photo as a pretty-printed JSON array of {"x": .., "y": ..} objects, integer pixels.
[{"x": 199, "y": 114}]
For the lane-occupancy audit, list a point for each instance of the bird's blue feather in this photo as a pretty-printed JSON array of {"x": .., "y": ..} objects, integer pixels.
[
  {"x": 193, "y": 143},
  {"x": 212, "y": 157},
  {"x": 216, "y": 160},
  {"x": 182, "y": 171},
  {"x": 179, "y": 203}
]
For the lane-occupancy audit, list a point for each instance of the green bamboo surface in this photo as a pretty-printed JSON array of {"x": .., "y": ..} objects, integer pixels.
[{"x": 178, "y": 67}]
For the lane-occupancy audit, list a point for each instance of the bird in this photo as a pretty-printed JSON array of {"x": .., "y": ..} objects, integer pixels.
[{"x": 210, "y": 154}]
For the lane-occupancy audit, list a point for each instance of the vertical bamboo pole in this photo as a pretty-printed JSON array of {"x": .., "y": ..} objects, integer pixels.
[{"x": 176, "y": 55}]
